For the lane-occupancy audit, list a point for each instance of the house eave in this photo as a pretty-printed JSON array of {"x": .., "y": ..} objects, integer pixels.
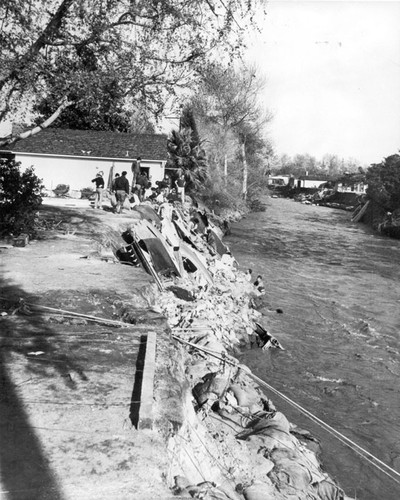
[{"x": 79, "y": 157}]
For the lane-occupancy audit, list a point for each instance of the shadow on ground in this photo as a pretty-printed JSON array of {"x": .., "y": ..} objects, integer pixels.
[{"x": 25, "y": 469}]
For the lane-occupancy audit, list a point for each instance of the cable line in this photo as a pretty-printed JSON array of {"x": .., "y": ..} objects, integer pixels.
[{"x": 369, "y": 457}]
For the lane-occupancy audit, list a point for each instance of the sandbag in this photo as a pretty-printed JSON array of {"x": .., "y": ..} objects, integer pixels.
[
  {"x": 275, "y": 439},
  {"x": 290, "y": 475},
  {"x": 266, "y": 424},
  {"x": 245, "y": 396},
  {"x": 113, "y": 200},
  {"x": 212, "y": 387},
  {"x": 327, "y": 490},
  {"x": 289, "y": 472},
  {"x": 259, "y": 491}
]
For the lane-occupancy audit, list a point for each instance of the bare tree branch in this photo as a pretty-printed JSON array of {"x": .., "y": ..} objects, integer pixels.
[{"x": 13, "y": 139}]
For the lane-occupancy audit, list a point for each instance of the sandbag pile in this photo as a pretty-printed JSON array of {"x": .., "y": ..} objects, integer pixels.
[{"x": 234, "y": 444}]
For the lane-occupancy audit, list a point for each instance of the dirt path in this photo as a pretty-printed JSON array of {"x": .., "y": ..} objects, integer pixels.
[{"x": 67, "y": 386}]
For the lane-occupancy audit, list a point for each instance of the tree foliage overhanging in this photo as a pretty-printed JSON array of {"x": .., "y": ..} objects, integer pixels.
[
  {"x": 384, "y": 183},
  {"x": 100, "y": 57}
]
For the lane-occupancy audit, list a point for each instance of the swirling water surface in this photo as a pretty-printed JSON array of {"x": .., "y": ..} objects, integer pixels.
[{"x": 337, "y": 284}]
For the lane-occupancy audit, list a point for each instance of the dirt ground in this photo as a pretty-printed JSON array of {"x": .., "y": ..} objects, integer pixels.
[{"x": 68, "y": 390}]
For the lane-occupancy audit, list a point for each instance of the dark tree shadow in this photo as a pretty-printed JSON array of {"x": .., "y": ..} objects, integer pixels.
[
  {"x": 137, "y": 386},
  {"x": 25, "y": 470}
]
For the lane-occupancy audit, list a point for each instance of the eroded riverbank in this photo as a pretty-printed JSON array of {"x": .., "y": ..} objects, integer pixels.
[{"x": 223, "y": 438}]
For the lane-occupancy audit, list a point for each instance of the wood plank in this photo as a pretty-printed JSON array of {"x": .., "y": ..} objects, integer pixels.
[{"x": 147, "y": 392}]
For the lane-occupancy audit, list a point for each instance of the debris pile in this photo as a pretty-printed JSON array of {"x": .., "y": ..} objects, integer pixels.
[{"x": 231, "y": 443}]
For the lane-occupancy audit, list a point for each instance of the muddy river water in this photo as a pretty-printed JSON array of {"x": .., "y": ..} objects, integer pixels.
[{"x": 338, "y": 286}]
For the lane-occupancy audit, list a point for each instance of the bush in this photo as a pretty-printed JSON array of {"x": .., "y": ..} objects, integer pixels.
[
  {"x": 87, "y": 193},
  {"x": 21, "y": 196},
  {"x": 216, "y": 195}
]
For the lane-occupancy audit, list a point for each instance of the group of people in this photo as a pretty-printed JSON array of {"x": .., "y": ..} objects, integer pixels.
[
  {"x": 259, "y": 284},
  {"x": 120, "y": 189},
  {"x": 141, "y": 189}
]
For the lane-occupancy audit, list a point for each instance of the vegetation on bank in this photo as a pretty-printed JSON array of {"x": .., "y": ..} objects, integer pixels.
[
  {"x": 330, "y": 165},
  {"x": 384, "y": 183},
  {"x": 222, "y": 131}
]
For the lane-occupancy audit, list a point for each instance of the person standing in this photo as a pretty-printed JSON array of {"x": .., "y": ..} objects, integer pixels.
[
  {"x": 249, "y": 274},
  {"x": 98, "y": 201},
  {"x": 135, "y": 170},
  {"x": 143, "y": 182},
  {"x": 180, "y": 187},
  {"x": 121, "y": 186},
  {"x": 113, "y": 182},
  {"x": 259, "y": 284}
]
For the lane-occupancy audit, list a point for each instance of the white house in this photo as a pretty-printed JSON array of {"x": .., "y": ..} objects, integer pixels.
[
  {"x": 358, "y": 187},
  {"x": 74, "y": 157},
  {"x": 311, "y": 181},
  {"x": 278, "y": 180}
]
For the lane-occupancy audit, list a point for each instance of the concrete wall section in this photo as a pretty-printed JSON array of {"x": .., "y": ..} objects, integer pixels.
[{"x": 78, "y": 172}]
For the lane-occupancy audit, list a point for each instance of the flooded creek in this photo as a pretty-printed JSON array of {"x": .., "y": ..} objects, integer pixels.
[{"x": 337, "y": 284}]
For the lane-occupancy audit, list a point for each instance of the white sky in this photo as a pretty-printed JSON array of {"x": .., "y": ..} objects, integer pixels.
[{"x": 333, "y": 76}]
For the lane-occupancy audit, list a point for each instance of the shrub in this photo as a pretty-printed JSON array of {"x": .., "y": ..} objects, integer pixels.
[
  {"x": 189, "y": 158},
  {"x": 87, "y": 193},
  {"x": 218, "y": 195},
  {"x": 21, "y": 196}
]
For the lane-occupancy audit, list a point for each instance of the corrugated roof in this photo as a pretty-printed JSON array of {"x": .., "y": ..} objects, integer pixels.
[{"x": 92, "y": 143}]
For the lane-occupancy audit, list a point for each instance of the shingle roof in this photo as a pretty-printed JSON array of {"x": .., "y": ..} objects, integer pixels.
[{"x": 92, "y": 143}]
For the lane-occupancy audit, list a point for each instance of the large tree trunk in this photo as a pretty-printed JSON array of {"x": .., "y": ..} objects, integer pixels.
[{"x": 245, "y": 170}]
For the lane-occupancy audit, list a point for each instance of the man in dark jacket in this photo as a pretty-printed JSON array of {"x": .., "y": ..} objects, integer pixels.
[
  {"x": 121, "y": 187},
  {"x": 143, "y": 183}
]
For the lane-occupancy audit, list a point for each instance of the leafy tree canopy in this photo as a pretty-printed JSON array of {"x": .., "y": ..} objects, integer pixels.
[
  {"x": 302, "y": 164},
  {"x": 102, "y": 55},
  {"x": 233, "y": 123}
]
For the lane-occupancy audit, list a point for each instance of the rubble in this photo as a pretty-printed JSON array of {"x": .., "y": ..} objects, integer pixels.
[{"x": 231, "y": 442}]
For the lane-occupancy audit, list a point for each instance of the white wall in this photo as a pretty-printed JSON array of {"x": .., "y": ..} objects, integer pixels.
[
  {"x": 311, "y": 183},
  {"x": 355, "y": 188},
  {"x": 78, "y": 172}
]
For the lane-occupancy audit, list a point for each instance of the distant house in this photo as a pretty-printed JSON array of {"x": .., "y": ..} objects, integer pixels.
[
  {"x": 311, "y": 181},
  {"x": 278, "y": 180},
  {"x": 73, "y": 157},
  {"x": 352, "y": 183}
]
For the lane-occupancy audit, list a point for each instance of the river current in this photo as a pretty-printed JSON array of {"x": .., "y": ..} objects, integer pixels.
[{"x": 337, "y": 285}]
